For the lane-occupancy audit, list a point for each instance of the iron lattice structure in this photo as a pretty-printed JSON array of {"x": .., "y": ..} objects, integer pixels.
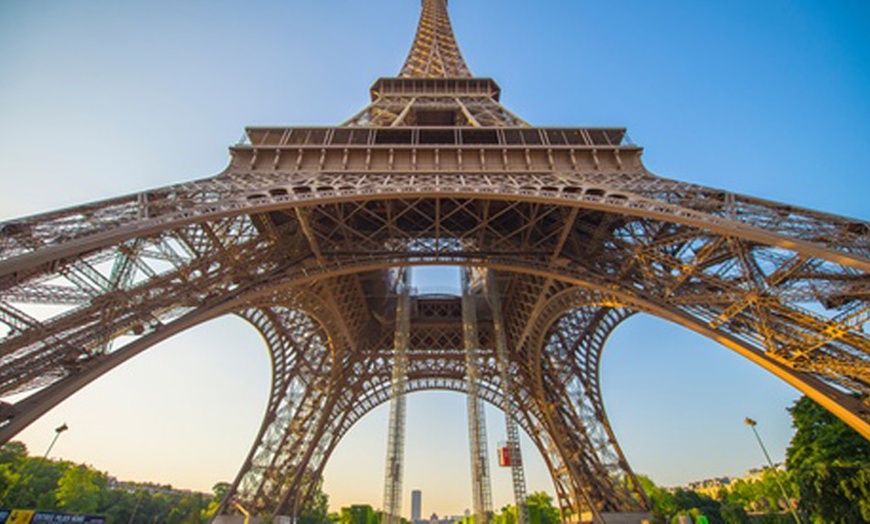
[
  {"x": 396, "y": 436},
  {"x": 298, "y": 236},
  {"x": 515, "y": 456},
  {"x": 481, "y": 483}
]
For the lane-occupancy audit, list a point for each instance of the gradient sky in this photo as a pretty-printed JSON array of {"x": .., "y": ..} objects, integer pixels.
[{"x": 99, "y": 98}]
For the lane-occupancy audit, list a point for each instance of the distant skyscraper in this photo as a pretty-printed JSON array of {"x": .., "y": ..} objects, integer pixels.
[{"x": 416, "y": 505}]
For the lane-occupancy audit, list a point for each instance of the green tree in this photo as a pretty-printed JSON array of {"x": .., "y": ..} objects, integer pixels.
[
  {"x": 80, "y": 489},
  {"x": 733, "y": 513},
  {"x": 191, "y": 508},
  {"x": 220, "y": 491},
  {"x": 662, "y": 502},
  {"x": 764, "y": 493},
  {"x": 8, "y": 478},
  {"x": 37, "y": 484},
  {"x": 158, "y": 508},
  {"x": 541, "y": 509},
  {"x": 507, "y": 515},
  {"x": 820, "y": 437},
  {"x": 12, "y": 456},
  {"x": 118, "y": 506},
  {"x": 12, "y": 452},
  {"x": 316, "y": 509},
  {"x": 358, "y": 514},
  {"x": 830, "y": 463},
  {"x": 696, "y": 504},
  {"x": 836, "y": 493}
]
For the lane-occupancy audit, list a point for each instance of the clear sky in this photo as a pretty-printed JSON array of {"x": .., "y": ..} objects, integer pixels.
[{"x": 100, "y": 98}]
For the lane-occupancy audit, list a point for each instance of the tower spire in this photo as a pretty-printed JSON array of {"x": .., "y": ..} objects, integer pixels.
[{"x": 435, "y": 53}]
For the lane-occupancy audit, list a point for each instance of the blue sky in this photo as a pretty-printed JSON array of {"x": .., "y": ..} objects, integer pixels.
[{"x": 97, "y": 99}]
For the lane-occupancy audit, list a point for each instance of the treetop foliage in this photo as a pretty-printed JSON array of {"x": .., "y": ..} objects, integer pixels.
[
  {"x": 830, "y": 464},
  {"x": 820, "y": 437},
  {"x": 48, "y": 485},
  {"x": 827, "y": 474}
]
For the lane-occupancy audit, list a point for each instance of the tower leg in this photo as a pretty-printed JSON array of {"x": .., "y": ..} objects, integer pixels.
[
  {"x": 396, "y": 437},
  {"x": 600, "y": 480},
  {"x": 480, "y": 479},
  {"x": 518, "y": 477},
  {"x": 287, "y": 455}
]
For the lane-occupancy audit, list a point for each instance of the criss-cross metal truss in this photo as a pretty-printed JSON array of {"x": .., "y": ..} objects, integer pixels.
[
  {"x": 396, "y": 436},
  {"x": 299, "y": 234},
  {"x": 518, "y": 475},
  {"x": 435, "y": 53},
  {"x": 481, "y": 484}
]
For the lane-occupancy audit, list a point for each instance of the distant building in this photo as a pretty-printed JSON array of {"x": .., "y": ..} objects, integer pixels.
[
  {"x": 416, "y": 505},
  {"x": 710, "y": 487},
  {"x": 757, "y": 473},
  {"x": 150, "y": 487},
  {"x": 715, "y": 486}
]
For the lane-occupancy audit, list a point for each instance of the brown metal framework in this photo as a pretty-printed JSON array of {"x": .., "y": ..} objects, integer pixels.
[
  {"x": 299, "y": 233},
  {"x": 518, "y": 474},
  {"x": 481, "y": 483},
  {"x": 396, "y": 437}
]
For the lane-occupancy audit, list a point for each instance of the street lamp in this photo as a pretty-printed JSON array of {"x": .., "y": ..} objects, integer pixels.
[
  {"x": 29, "y": 476},
  {"x": 751, "y": 423},
  {"x": 57, "y": 431}
]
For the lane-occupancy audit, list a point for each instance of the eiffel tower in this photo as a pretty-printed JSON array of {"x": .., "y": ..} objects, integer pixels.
[{"x": 564, "y": 234}]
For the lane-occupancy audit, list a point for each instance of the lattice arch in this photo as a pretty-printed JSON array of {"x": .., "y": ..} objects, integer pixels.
[
  {"x": 284, "y": 433},
  {"x": 435, "y": 171}
]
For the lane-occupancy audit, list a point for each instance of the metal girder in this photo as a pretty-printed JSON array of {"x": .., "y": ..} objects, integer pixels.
[
  {"x": 286, "y": 450},
  {"x": 571, "y": 361},
  {"x": 396, "y": 436},
  {"x": 363, "y": 229},
  {"x": 515, "y": 456},
  {"x": 298, "y": 235},
  {"x": 435, "y": 53},
  {"x": 481, "y": 482},
  {"x": 360, "y": 231}
]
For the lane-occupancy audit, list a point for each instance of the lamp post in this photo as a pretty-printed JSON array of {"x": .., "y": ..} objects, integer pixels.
[
  {"x": 29, "y": 476},
  {"x": 751, "y": 423},
  {"x": 57, "y": 431}
]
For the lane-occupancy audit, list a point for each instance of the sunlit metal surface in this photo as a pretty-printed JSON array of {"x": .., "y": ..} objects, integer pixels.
[{"x": 299, "y": 233}]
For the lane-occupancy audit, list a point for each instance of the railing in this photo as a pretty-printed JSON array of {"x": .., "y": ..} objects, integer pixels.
[
  {"x": 421, "y": 87},
  {"x": 492, "y": 136}
]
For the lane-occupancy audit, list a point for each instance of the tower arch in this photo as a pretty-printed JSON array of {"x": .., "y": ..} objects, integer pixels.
[{"x": 305, "y": 223}]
